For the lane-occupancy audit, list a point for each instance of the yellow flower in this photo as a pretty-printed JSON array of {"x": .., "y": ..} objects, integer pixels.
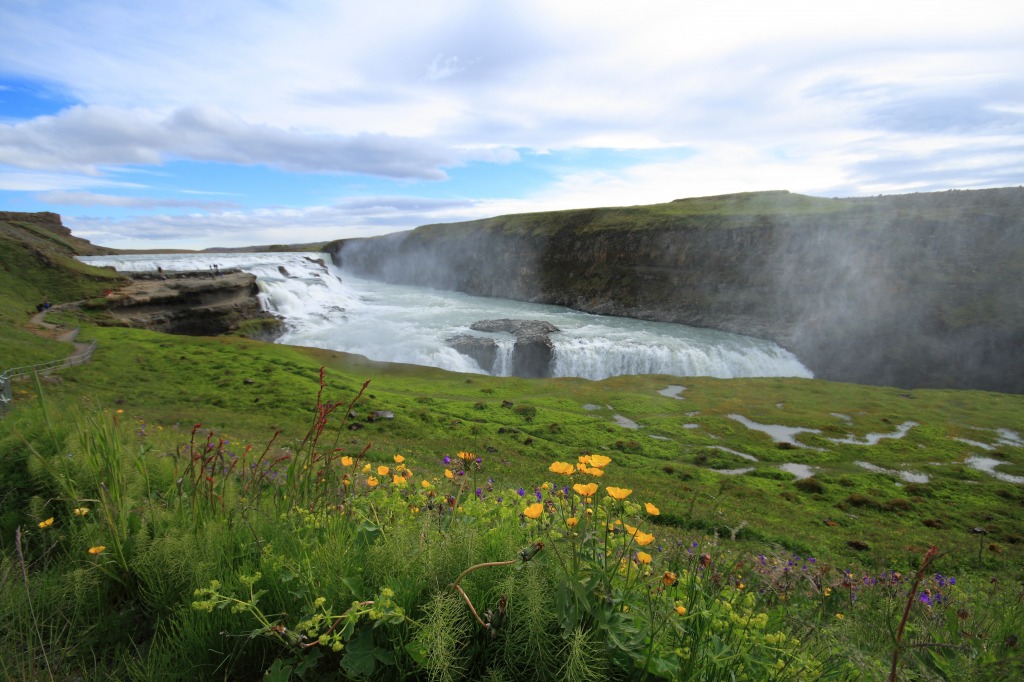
[
  {"x": 372, "y": 482},
  {"x": 81, "y": 511},
  {"x": 643, "y": 539},
  {"x": 47, "y": 523},
  {"x": 467, "y": 456},
  {"x": 596, "y": 473},
  {"x": 668, "y": 579},
  {"x": 681, "y": 610},
  {"x": 840, "y": 616},
  {"x": 585, "y": 490},
  {"x": 399, "y": 459},
  {"x": 651, "y": 509},
  {"x": 643, "y": 557},
  {"x": 740, "y": 586},
  {"x": 346, "y": 461},
  {"x": 618, "y": 493},
  {"x": 97, "y": 549},
  {"x": 828, "y": 591},
  {"x": 561, "y": 468},
  {"x": 630, "y": 529},
  {"x": 545, "y": 486},
  {"x": 448, "y": 473},
  {"x": 572, "y": 522},
  {"x": 366, "y": 468},
  {"x": 120, "y": 411},
  {"x": 600, "y": 461},
  {"x": 382, "y": 470},
  {"x": 534, "y": 510},
  {"x": 399, "y": 481},
  {"x": 425, "y": 483},
  {"x": 584, "y": 459}
]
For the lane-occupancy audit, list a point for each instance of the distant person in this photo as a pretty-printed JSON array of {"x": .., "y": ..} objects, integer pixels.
[
  {"x": 216, "y": 270},
  {"x": 160, "y": 271}
]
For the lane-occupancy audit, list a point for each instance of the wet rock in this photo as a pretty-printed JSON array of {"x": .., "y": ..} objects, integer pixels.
[
  {"x": 516, "y": 328},
  {"x": 283, "y": 271},
  {"x": 533, "y": 349},
  {"x": 380, "y": 414},
  {"x": 482, "y": 349}
]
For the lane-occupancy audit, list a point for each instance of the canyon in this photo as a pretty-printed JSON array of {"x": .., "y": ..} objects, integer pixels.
[{"x": 913, "y": 291}]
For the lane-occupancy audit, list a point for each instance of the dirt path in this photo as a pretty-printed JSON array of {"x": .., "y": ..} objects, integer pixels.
[{"x": 39, "y": 326}]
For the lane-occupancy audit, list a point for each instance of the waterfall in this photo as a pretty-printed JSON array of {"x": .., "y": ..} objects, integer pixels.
[{"x": 324, "y": 307}]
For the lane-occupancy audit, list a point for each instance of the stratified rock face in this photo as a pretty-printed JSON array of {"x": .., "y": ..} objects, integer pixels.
[
  {"x": 914, "y": 291},
  {"x": 196, "y": 304}
]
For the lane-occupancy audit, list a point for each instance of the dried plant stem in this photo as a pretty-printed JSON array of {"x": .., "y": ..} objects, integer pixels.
[
  {"x": 932, "y": 552},
  {"x": 465, "y": 596}
]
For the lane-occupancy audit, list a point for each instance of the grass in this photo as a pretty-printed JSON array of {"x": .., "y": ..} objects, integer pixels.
[
  {"x": 237, "y": 569},
  {"x": 214, "y": 473}
]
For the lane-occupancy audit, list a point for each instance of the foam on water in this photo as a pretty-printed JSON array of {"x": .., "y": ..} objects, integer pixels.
[{"x": 327, "y": 308}]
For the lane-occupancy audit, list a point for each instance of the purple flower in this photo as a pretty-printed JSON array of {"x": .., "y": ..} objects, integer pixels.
[
  {"x": 521, "y": 492},
  {"x": 447, "y": 459},
  {"x": 539, "y": 496}
]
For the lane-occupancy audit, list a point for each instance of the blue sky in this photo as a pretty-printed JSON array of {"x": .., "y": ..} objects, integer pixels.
[{"x": 191, "y": 124}]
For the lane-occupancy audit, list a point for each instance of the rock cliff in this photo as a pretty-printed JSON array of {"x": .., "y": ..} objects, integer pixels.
[
  {"x": 920, "y": 290},
  {"x": 191, "y": 303}
]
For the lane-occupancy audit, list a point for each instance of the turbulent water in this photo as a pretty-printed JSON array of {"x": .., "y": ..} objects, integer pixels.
[{"x": 324, "y": 307}]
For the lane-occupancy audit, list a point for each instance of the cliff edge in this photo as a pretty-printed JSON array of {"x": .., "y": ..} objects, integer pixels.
[{"x": 919, "y": 290}]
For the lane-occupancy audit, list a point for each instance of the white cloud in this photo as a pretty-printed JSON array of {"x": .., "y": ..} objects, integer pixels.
[
  {"x": 818, "y": 98},
  {"x": 64, "y": 198},
  {"x": 84, "y": 138}
]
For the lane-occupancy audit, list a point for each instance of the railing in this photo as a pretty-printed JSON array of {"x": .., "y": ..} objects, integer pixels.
[{"x": 9, "y": 375}]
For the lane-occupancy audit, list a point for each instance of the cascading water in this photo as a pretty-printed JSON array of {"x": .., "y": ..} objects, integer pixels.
[{"x": 326, "y": 308}]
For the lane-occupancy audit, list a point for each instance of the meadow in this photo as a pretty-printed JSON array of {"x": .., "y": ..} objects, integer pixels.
[
  {"x": 223, "y": 508},
  {"x": 226, "y": 508}
]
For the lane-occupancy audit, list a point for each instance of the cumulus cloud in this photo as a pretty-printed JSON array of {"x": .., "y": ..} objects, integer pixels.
[
  {"x": 843, "y": 99},
  {"x": 83, "y": 138}
]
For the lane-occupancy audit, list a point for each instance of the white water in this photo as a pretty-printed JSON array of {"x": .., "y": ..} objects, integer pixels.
[{"x": 324, "y": 307}]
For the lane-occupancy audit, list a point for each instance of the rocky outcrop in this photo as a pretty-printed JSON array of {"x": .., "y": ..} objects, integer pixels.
[
  {"x": 480, "y": 348},
  {"x": 917, "y": 290},
  {"x": 191, "y": 303},
  {"x": 532, "y": 352}
]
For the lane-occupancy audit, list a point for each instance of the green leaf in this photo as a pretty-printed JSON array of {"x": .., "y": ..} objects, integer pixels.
[
  {"x": 278, "y": 672},
  {"x": 308, "y": 662},
  {"x": 360, "y": 659}
]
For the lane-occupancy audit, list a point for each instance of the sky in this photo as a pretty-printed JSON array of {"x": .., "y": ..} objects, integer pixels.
[{"x": 195, "y": 124}]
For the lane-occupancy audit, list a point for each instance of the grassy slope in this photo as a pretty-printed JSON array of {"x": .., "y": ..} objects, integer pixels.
[
  {"x": 37, "y": 264},
  {"x": 250, "y": 389}
]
